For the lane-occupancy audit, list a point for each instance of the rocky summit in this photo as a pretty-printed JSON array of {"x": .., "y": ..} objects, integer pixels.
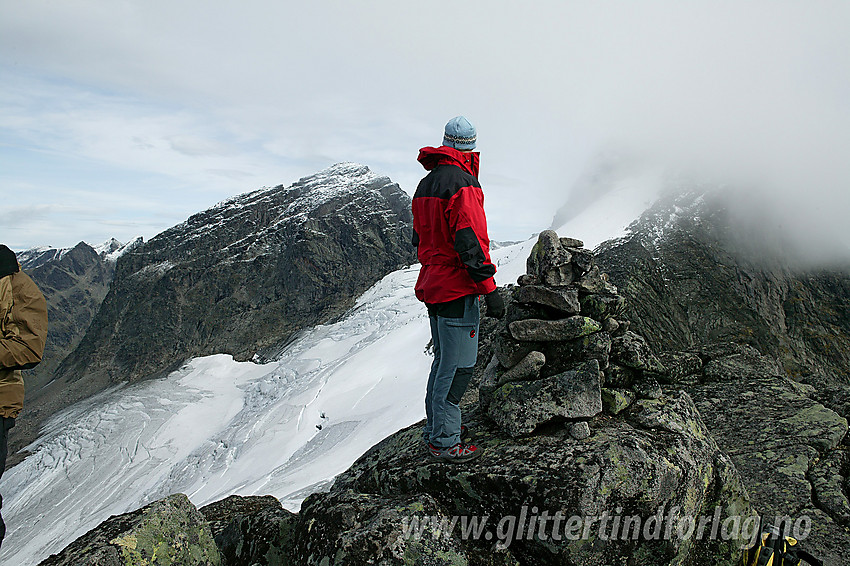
[{"x": 567, "y": 476}]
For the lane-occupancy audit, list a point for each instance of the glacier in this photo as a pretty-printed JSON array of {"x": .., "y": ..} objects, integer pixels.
[{"x": 217, "y": 427}]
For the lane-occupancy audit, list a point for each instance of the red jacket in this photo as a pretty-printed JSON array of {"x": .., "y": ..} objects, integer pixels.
[{"x": 450, "y": 229}]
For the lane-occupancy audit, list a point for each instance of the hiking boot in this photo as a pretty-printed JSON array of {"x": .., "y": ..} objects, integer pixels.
[{"x": 458, "y": 453}]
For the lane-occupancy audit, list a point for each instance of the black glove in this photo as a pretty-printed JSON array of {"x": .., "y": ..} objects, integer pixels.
[{"x": 495, "y": 304}]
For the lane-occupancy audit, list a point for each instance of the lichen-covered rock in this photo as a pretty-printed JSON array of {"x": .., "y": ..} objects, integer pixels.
[
  {"x": 519, "y": 408},
  {"x": 561, "y": 356},
  {"x": 680, "y": 366},
  {"x": 350, "y": 527},
  {"x": 582, "y": 258},
  {"x": 624, "y": 468},
  {"x": 562, "y": 330},
  {"x": 610, "y": 325},
  {"x": 550, "y": 262},
  {"x": 620, "y": 376},
  {"x": 647, "y": 387},
  {"x": 594, "y": 281},
  {"x": 561, "y": 299},
  {"x": 580, "y": 430},
  {"x": 775, "y": 436},
  {"x": 600, "y": 306},
  {"x": 167, "y": 532},
  {"x": 631, "y": 350},
  {"x": 567, "y": 242},
  {"x": 526, "y": 370},
  {"x": 614, "y": 401},
  {"x": 251, "y": 530},
  {"x": 510, "y": 351},
  {"x": 747, "y": 361}
]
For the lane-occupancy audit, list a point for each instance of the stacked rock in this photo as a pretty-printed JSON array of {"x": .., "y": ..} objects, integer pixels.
[{"x": 563, "y": 350}]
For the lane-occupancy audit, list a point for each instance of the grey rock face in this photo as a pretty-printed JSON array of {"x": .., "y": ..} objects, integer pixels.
[
  {"x": 519, "y": 408},
  {"x": 564, "y": 329},
  {"x": 733, "y": 318},
  {"x": 623, "y": 465},
  {"x": 74, "y": 283}
]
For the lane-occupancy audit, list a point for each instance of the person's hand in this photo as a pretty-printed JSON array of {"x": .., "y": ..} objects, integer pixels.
[{"x": 495, "y": 304}]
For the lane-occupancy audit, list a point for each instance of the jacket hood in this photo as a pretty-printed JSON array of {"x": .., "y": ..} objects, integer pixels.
[
  {"x": 8, "y": 261},
  {"x": 431, "y": 157}
]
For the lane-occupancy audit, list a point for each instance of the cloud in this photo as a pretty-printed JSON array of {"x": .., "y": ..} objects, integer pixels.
[{"x": 185, "y": 90}]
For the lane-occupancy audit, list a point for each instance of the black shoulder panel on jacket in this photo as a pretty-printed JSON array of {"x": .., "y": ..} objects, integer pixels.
[{"x": 444, "y": 181}]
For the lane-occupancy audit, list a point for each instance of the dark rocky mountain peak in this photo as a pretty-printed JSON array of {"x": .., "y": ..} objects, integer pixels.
[{"x": 246, "y": 274}]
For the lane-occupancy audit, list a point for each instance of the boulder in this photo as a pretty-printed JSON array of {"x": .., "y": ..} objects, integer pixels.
[
  {"x": 549, "y": 262},
  {"x": 603, "y": 305},
  {"x": 647, "y": 387},
  {"x": 519, "y": 408},
  {"x": 680, "y": 366},
  {"x": 561, "y": 299},
  {"x": 166, "y": 532},
  {"x": 561, "y": 330},
  {"x": 620, "y": 376},
  {"x": 631, "y": 350},
  {"x": 526, "y": 370},
  {"x": 250, "y": 530},
  {"x": 580, "y": 430},
  {"x": 594, "y": 281},
  {"x": 510, "y": 351},
  {"x": 582, "y": 259},
  {"x": 561, "y": 356},
  {"x": 615, "y": 401}
]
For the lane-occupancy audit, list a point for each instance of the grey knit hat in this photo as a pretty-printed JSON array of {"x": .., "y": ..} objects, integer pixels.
[{"x": 460, "y": 134}]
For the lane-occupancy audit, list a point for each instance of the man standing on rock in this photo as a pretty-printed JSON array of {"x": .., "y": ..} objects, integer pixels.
[
  {"x": 450, "y": 233},
  {"x": 23, "y": 332}
]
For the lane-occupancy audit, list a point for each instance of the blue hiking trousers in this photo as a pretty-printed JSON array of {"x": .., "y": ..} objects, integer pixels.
[{"x": 455, "y": 352}]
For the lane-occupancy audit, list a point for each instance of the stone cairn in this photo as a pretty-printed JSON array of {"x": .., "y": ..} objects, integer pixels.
[{"x": 563, "y": 350}]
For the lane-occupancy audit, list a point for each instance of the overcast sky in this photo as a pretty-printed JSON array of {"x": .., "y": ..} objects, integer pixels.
[{"x": 121, "y": 118}]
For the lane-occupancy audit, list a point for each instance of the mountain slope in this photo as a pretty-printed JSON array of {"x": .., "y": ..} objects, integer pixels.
[{"x": 760, "y": 339}]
